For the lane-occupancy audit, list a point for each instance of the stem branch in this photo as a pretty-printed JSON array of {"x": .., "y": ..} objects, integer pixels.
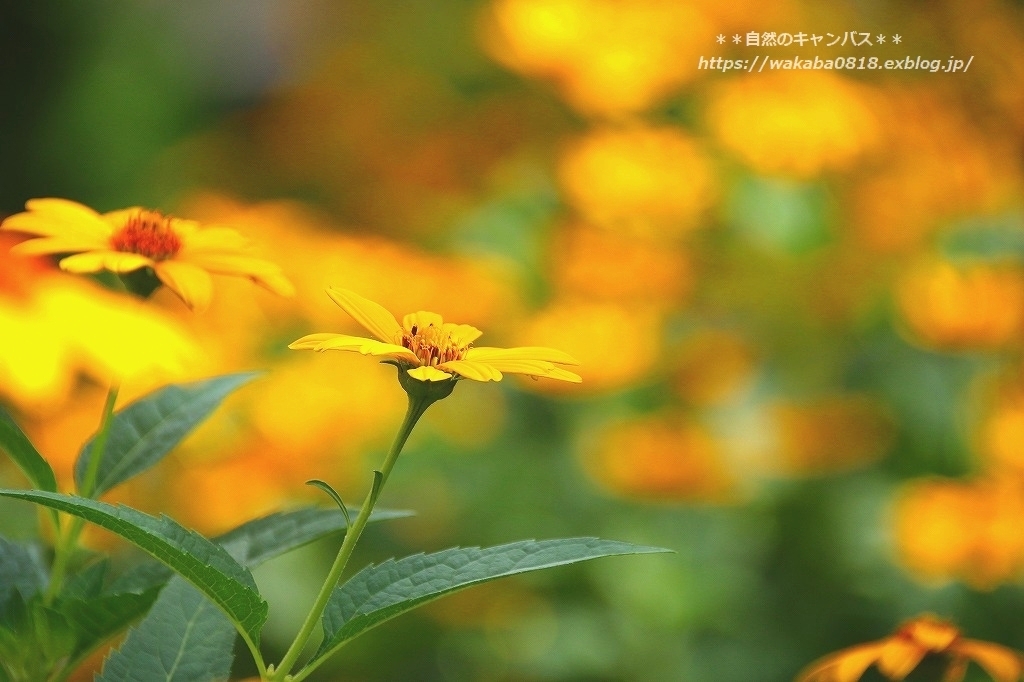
[{"x": 417, "y": 406}]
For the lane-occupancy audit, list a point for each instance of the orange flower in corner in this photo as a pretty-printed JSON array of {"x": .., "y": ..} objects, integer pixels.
[
  {"x": 897, "y": 655},
  {"x": 180, "y": 253},
  {"x": 430, "y": 349}
]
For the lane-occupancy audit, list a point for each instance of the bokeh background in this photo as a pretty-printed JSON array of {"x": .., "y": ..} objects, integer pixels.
[{"x": 797, "y": 297}]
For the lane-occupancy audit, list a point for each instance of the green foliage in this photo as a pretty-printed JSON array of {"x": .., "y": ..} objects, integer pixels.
[
  {"x": 257, "y": 541},
  {"x": 379, "y": 593},
  {"x": 14, "y": 441},
  {"x": 21, "y": 572},
  {"x": 206, "y": 565},
  {"x": 326, "y": 487},
  {"x": 144, "y": 432},
  {"x": 185, "y": 638}
]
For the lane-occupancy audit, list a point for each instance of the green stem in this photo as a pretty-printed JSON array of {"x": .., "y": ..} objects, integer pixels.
[
  {"x": 417, "y": 406},
  {"x": 69, "y": 539}
]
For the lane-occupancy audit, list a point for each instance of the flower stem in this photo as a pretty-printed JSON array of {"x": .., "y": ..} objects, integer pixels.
[
  {"x": 68, "y": 541},
  {"x": 417, "y": 406}
]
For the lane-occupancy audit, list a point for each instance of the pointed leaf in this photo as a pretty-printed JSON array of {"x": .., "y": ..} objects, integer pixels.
[
  {"x": 204, "y": 564},
  {"x": 14, "y": 441},
  {"x": 379, "y": 593},
  {"x": 326, "y": 487},
  {"x": 184, "y": 638},
  {"x": 99, "y": 618},
  {"x": 21, "y": 571},
  {"x": 257, "y": 541},
  {"x": 142, "y": 433}
]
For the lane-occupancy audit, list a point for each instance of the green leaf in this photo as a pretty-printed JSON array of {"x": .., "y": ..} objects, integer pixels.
[
  {"x": 144, "y": 432},
  {"x": 16, "y": 444},
  {"x": 99, "y": 618},
  {"x": 379, "y": 593},
  {"x": 204, "y": 564},
  {"x": 184, "y": 638},
  {"x": 257, "y": 541},
  {"x": 326, "y": 487},
  {"x": 21, "y": 571}
]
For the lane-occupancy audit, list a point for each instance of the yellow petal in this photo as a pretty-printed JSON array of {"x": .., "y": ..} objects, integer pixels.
[
  {"x": 59, "y": 218},
  {"x": 115, "y": 261},
  {"x": 428, "y": 373},
  {"x": 421, "y": 320},
  {"x": 192, "y": 284},
  {"x": 477, "y": 371},
  {"x": 521, "y": 353},
  {"x": 264, "y": 273},
  {"x": 311, "y": 341},
  {"x": 463, "y": 334},
  {"x": 214, "y": 239},
  {"x": 62, "y": 244},
  {"x": 373, "y": 316},
  {"x": 899, "y": 656},
  {"x": 61, "y": 208},
  {"x": 366, "y": 347},
  {"x": 847, "y": 665},
  {"x": 536, "y": 368},
  {"x": 1002, "y": 664}
]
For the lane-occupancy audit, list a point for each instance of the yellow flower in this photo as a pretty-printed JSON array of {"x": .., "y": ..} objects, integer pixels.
[
  {"x": 430, "y": 349},
  {"x": 180, "y": 253},
  {"x": 897, "y": 655}
]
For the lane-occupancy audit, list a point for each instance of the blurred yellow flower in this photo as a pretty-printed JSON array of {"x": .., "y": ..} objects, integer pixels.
[
  {"x": 641, "y": 181},
  {"x": 831, "y": 434},
  {"x": 615, "y": 344},
  {"x": 896, "y": 656},
  {"x": 965, "y": 530},
  {"x": 606, "y": 57},
  {"x": 429, "y": 349},
  {"x": 795, "y": 124},
  {"x": 181, "y": 253},
  {"x": 57, "y": 328},
  {"x": 1002, "y": 435},
  {"x": 603, "y": 265},
  {"x": 660, "y": 458},
  {"x": 712, "y": 366},
  {"x": 953, "y": 307},
  {"x": 937, "y": 165}
]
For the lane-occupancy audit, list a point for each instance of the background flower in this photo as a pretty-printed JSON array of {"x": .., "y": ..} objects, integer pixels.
[{"x": 795, "y": 299}]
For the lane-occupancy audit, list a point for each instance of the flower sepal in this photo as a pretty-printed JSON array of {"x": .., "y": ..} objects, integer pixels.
[
  {"x": 428, "y": 392},
  {"x": 142, "y": 282}
]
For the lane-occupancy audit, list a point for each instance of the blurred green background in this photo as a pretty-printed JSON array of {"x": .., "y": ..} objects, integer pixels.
[{"x": 797, "y": 297}]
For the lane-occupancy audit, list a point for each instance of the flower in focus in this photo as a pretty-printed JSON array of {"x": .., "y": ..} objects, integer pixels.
[
  {"x": 896, "y": 656},
  {"x": 180, "y": 253},
  {"x": 954, "y": 307},
  {"x": 429, "y": 349}
]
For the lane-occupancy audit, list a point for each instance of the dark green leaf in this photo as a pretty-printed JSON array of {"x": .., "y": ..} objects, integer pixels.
[
  {"x": 261, "y": 539},
  {"x": 206, "y": 565},
  {"x": 21, "y": 571},
  {"x": 184, "y": 638},
  {"x": 97, "y": 619},
  {"x": 326, "y": 487},
  {"x": 379, "y": 593},
  {"x": 20, "y": 449},
  {"x": 144, "y": 432}
]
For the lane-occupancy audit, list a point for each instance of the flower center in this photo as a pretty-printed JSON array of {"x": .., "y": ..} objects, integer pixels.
[
  {"x": 433, "y": 345},
  {"x": 147, "y": 233}
]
